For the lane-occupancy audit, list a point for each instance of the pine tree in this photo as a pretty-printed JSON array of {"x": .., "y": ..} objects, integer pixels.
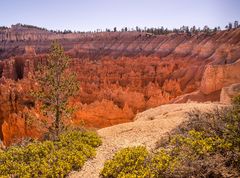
[
  {"x": 235, "y": 24},
  {"x": 56, "y": 84}
]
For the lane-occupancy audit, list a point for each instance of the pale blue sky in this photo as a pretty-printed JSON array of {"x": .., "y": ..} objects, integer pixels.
[{"x": 86, "y": 15}]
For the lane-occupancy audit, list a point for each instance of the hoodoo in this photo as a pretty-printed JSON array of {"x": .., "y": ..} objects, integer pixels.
[{"x": 124, "y": 73}]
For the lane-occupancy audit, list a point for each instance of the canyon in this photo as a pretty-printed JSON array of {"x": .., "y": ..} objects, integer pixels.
[{"x": 121, "y": 73}]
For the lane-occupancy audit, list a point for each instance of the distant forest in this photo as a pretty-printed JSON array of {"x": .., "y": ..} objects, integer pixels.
[{"x": 155, "y": 31}]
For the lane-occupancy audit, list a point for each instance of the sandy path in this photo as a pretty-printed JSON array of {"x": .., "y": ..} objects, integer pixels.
[{"x": 147, "y": 129}]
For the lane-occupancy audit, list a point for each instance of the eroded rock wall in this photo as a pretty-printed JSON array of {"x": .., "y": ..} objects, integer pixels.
[
  {"x": 120, "y": 74},
  {"x": 218, "y": 76},
  {"x": 15, "y": 107}
]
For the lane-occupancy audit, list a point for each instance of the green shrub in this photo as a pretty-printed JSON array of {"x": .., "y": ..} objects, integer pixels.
[
  {"x": 128, "y": 162},
  {"x": 49, "y": 158},
  {"x": 138, "y": 162},
  {"x": 196, "y": 143},
  {"x": 163, "y": 162},
  {"x": 232, "y": 130},
  {"x": 208, "y": 145}
]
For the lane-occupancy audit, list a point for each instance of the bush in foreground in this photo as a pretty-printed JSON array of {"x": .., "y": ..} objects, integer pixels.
[
  {"x": 208, "y": 145},
  {"x": 49, "y": 158},
  {"x": 128, "y": 162},
  {"x": 137, "y": 162}
]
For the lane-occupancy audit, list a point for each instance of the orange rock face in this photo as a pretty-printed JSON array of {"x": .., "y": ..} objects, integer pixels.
[
  {"x": 121, "y": 74},
  {"x": 218, "y": 76},
  {"x": 102, "y": 114},
  {"x": 227, "y": 93},
  {"x": 15, "y": 109}
]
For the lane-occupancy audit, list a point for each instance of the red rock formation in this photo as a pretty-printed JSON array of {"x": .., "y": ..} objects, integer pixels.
[
  {"x": 227, "y": 93},
  {"x": 30, "y": 50},
  {"x": 15, "y": 110},
  {"x": 197, "y": 96},
  {"x": 102, "y": 114},
  {"x": 116, "y": 44},
  {"x": 122, "y": 74},
  {"x": 8, "y": 69},
  {"x": 218, "y": 76}
]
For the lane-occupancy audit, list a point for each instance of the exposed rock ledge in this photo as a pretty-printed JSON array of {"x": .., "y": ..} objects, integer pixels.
[
  {"x": 148, "y": 127},
  {"x": 227, "y": 93}
]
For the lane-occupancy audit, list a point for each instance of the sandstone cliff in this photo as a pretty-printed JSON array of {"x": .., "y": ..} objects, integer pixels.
[
  {"x": 123, "y": 73},
  {"x": 227, "y": 93},
  {"x": 16, "y": 109},
  {"x": 116, "y": 44},
  {"x": 218, "y": 76}
]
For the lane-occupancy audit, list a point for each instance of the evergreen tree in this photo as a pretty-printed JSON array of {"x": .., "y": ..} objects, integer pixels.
[
  {"x": 206, "y": 29},
  {"x": 138, "y": 29},
  {"x": 235, "y": 24},
  {"x": 56, "y": 84},
  {"x": 215, "y": 30},
  {"x": 193, "y": 30}
]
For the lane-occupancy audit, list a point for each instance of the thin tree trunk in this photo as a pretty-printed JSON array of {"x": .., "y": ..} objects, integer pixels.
[{"x": 57, "y": 122}]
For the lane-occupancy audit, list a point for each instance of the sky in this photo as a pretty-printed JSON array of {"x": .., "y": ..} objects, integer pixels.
[{"x": 85, "y": 15}]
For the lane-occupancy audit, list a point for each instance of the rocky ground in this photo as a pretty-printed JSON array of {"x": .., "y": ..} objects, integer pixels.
[{"x": 148, "y": 127}]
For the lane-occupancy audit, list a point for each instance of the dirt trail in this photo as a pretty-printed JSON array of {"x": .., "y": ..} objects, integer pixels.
[{"x": 147, "y": 129}]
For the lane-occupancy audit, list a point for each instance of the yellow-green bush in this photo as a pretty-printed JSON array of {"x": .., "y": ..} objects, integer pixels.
[
  {"x": 49, "y": 158},
  {"x": 128, "y": 162},
  {"x": 196, "y": 143},
  {"x": 162, "y": 162},
  {"x": 138, "y": 162},
  {"x": 182, "y": 150},
  {"x": 207, "y": 145}
]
